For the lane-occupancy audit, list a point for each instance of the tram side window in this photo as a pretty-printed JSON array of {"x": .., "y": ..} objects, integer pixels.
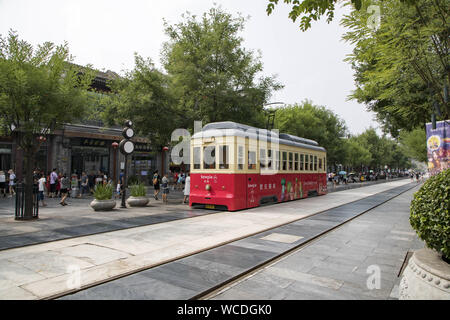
[
  {"x": 197, "y": 158},
  {"x": 311, "y": 162},
  {"x": 269, "y": 159},
  {"x": 262, "y": 158},
  {"x": 209, "y": 157},
  {"x": 315, "y": 163},
  {"x": 291, "y": 166},
  {"x": 296, "y": 161},
  {"x": 320, "y": 163},
  {"x": 306, "y": 162},
  {"x": 252, "y": 160},
  {"x": 224, "y": 163},
  {"x": 278, "y": 160},
  {"x": 284, "y": 160},
  {"x": 241, "y": 158},
  {"x": 302, "y": 158}
]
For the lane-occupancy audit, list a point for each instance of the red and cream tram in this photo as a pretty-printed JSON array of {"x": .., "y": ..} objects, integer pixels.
[{"x": 235, "y": 166}]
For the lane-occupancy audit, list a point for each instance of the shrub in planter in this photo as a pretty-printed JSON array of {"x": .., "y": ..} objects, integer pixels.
[
  {"x": 138, "y": 190},
  {"x": 103, "y": 201},
  {"x": 103, "y": 192},
  {"x": 138, "y": 196},
  {"x": 430, "y": 213}
]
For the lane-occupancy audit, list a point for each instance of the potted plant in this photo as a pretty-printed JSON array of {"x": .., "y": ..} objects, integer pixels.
[
  {"x": 138, "y": 196},
  {"x": 427, "y": 275},
  {"x": 103, "y": 198}
]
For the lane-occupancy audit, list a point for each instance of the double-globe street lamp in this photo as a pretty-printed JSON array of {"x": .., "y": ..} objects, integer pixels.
[{"x": 126, "y": 147}]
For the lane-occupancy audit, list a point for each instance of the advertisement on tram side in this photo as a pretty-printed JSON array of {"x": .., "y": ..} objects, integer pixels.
[{"x": 438, "y": 147}]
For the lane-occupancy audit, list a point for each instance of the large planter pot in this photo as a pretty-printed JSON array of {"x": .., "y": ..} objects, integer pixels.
[
  {"x": 103, "y": 205},
  {"x": 137, "y": 201},
  {"x": 427, "y": 277}
]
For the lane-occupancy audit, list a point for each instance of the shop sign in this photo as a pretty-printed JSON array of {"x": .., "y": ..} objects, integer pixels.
[{"x": 93, "y": 143}]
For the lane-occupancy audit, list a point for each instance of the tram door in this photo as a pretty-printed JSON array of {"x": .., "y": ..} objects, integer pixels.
[{"x": 252, "y": 190}]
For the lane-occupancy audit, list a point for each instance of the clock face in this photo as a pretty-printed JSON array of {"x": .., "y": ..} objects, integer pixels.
[
  {"x": 130, "y": 133},
  {"x": 128, "y": 147}
]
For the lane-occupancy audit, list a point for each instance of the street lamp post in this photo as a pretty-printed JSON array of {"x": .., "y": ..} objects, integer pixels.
[
  {"x": 115, "y": 145},
  {"x": 126, "y": 147}
]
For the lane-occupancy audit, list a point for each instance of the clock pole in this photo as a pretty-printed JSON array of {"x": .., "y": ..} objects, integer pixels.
[
  {"x": 124, "y": 183},
  {"x": 126, "y": 147}
]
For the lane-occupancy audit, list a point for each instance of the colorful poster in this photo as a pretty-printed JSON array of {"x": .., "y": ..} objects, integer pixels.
[{"x": 438, "y": 146}]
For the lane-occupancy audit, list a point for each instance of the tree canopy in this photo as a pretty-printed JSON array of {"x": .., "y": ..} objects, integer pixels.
[
  {"x": 40, "y": 89},
  {"x": 142, "y": 96},
  {"x": 212, "y": 76},
  {"x": 401, "y": 68},
  {"x": 317, "y": 123}
]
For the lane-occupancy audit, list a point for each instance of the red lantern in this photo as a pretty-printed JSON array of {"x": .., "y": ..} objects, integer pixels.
[
  {"x": 165, "y": 148},
  {"x": 114, "y": 145}
]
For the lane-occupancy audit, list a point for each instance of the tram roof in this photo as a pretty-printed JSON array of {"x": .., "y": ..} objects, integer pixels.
[{"x": 229, "y": 128}]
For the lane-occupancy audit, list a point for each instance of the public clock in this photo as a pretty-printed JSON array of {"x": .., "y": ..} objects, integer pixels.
[
  {"x": 126, "y": 146},
  {"x": 128, "y": 133}
]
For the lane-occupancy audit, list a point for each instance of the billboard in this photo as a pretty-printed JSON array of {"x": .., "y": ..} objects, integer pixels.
[{"x": 438, "y": 146}]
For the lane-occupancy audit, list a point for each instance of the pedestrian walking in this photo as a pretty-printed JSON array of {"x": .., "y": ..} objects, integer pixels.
[
  {"x": 165, "y": 188},
  {"x": 41, "y": 187},
  {"x": 53, "y": 183},
  {"x": 12, "y": 182},
  {"x": 187, "y": 188},
  {"x": 3, "y": 183},
  {"x": 65, "y": 186},
  {"x": 156, "y": 180},
  {"x": 84, "y": 184}
]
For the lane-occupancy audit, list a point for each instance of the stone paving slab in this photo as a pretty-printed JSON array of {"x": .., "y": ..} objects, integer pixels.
[
  {"x": 347, "y": 264},
  {"x": 242, "y": 257}
]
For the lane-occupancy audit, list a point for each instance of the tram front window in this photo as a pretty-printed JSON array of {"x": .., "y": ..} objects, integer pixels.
[
  {"x": 209, "y": 157},
  {"x": 223, "y": 157},
  {"x": 197, "y": 158}
]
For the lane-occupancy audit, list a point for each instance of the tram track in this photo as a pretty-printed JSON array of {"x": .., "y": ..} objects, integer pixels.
[{"x": 213, "y": 290}]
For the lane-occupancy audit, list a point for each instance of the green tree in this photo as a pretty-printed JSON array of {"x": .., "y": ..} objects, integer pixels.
[
  {"x": 317, "y": 123},
  {"x": 39, "y": 90},
  {"x": 414, "y": 144},
  {"x": 142, "y": 96},
  {"x": 402, "y": 67},
  {"x": 357, "y": 155},
  {"x": 212, "y": 77},
  {"x": 308, "y": 10}
]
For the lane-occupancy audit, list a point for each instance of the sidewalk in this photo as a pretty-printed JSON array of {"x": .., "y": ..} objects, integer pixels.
[
  {"x": 44, "y": 270},
  {"x": 79, "y": 219},
  {"x": 343, "y": 264}
]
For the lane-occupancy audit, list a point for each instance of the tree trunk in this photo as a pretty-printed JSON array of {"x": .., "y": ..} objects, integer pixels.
[{"x": 28, "y": 214}]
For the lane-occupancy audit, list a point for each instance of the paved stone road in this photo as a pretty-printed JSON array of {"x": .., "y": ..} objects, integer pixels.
[
  {"x": 339, "y": 265},
  {"x": 42, "y": 270}
]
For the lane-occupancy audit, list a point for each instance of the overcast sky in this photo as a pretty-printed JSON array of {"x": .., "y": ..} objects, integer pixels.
[{"x": 106, "y": 33}]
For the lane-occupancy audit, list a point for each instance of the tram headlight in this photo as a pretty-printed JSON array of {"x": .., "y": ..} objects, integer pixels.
[{"x": 208, "y": 187}]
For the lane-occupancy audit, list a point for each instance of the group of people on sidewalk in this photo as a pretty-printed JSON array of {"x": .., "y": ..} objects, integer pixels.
[
  {"x": 8, "y": 181},
  {"x": 165, "y": 183}
]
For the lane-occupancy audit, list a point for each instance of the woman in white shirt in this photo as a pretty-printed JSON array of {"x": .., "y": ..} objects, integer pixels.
[
  {"x": 3, "y": 183},
  {"x": 41, "y": 184},
  {"x": 12, "y": 182},
  {"x": 187, "y": 187}
]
